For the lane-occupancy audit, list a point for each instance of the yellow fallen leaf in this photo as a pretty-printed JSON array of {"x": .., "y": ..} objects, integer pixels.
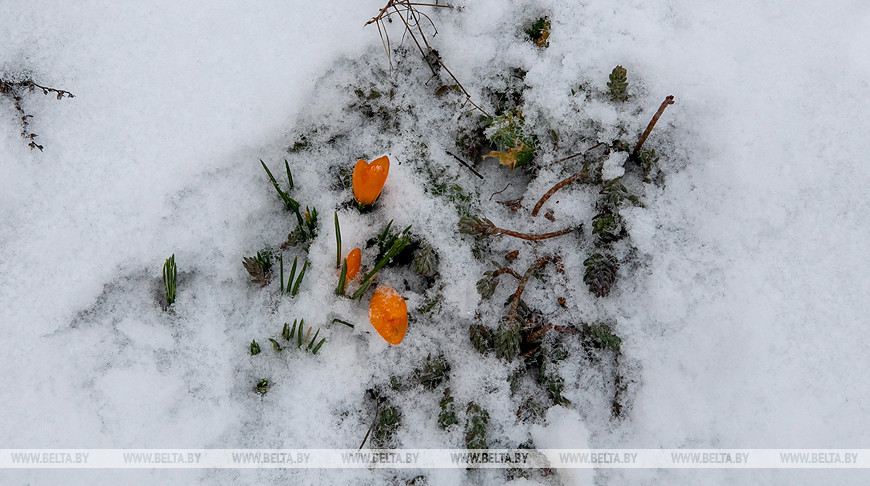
[{"x": 508, "y": 157}]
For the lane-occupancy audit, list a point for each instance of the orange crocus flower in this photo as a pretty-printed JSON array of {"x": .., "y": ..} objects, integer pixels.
[
  {"x": 369, "y": 179},
  {"x": 353, "y": 262},
  {"x": 388, "y": 313}
]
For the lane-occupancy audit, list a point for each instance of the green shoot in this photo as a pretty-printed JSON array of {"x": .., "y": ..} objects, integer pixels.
[
  {"x": 296, "y": 333},
  {"x": 337, "y": 242},
  {"x": 394, "y": 245},
  {"x": 281, "y": 274},
  {"x": 170, "y": 277},
  {"x": 289, "y": 202},
  {"x": 289, "y": 175},
  {"x": 299, "y": 280},
  {"x": 262, "y": 386},
  {"x": 292, "y": 275},
  {"x": 255, "y": 348},
  {"x": 618, "y": 84},
  {"x": 341, "y": 278}
]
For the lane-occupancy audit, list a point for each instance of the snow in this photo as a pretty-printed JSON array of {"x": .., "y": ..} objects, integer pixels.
[{"x": 743, "y": 322}]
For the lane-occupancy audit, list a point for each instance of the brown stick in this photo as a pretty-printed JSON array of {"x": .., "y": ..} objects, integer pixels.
[
  {"x": 508, "y": 271},
  {"x": 465, "y": 164},
  {"x": 652, "y": 123},
  {"x": 524, "y": 236},
  {"x": 559, "y": 185},
  {"x": 515, "y": 303},
  {"x": 577, "y": 154},
  {"x": 540, "y": 332}
]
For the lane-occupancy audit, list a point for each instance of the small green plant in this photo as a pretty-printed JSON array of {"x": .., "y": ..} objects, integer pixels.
[
  {"x": 262, "y": 386},
  {"x": 539, "y": 32},
  {"x": 600, "y": 273},
  {"x": 475, "y": 427},
  {"x": 447, "y": 416},
  {"x": 481, "y": 338},
  {"x": 390, "y": 246},
  {"x": 605, "y": 337},
  {"x": 306, "y": 230},
  {"x": 294, "y": 281},
  {"x": 255, "y": 348},
  {"x": 295, "y": 333},
  {"x": 618, "y": 84},
  {"x": 433, "y": 373},
  {"x": 507, "y": 340},
  {"x": 260, "y": 267},
  {"x": 170, "y": 278},
  {"x": 388, "y": 423},
  {"x": 425, "y": 260},
  {"x": 289, "y": 202},
  {"x": 514, "y": 148},
  {"x": 608, "y": 227}
]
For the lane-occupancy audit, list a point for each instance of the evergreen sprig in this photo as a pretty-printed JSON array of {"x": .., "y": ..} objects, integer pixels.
[{"x": 289, "y": 202}]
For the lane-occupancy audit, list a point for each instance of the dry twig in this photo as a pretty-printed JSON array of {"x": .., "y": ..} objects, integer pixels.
[{"x": 412, "y": 18}]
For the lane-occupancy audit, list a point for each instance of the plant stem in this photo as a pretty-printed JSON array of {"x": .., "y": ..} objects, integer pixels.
[
  {"x": 524, "y": 236},
  {"x": 559, "y": 185},
  {"x": 515, "y": 303},
  {"x": 652, "y": 123},
  {"x": 464, "y": 163}
]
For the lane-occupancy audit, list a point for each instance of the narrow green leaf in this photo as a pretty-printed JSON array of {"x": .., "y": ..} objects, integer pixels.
[
  {"x": 255, "y": 348},
  {"x": 311, "y": 343},
  {"x": 317, "y": 348},
  {"x": 285, "y": 332},
  {"x": 275, "y": 345},
  {"x": 281, "y": 276},
  {"x": 386, "y": 231},
  {"x": 289, "y": 175},
  {"x": 299, "y": 280},
  {"x": 342, "y": 322},
  {"x": 341, "y": 279},
  {"x": 292, "y": 274},
  {"x": 337, "y": 242}
]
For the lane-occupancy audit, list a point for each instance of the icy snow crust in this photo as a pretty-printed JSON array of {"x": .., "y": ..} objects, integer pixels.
[{"x": 742, "y": 314}]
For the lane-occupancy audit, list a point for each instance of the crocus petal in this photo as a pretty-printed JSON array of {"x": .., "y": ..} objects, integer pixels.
[
  {"x": 388, "y": 314},
  {"x": 369, "y": 179},
  {"x": 353, "y": 262}
]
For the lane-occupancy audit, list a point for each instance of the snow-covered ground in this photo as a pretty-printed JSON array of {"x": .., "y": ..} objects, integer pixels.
[{"x": 747, "y": 322}]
